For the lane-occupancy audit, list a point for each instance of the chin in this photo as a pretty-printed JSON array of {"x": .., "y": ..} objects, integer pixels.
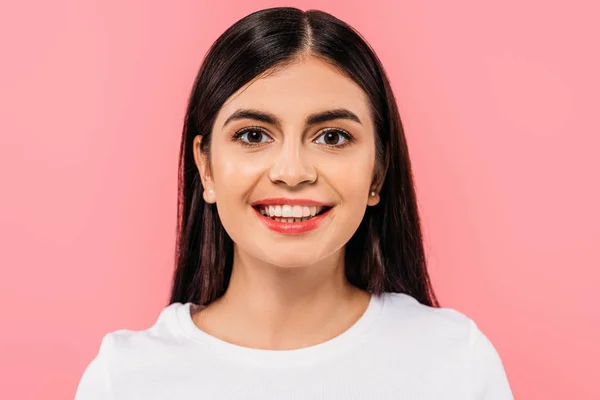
[
  {"x": 291, "y": 259},
  {"x": 292, "y": 262}
]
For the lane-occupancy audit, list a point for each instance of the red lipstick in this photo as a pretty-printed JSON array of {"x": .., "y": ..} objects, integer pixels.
[{"x": 293, "y": 228}]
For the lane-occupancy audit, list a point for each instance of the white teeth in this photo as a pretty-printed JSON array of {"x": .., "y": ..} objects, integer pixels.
[
  {"x": 297, "y": 211},
  {"x": 287, "y": 211}
]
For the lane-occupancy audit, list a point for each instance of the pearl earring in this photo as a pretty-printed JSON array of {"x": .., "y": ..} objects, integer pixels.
[
  {"x": 372, "y": 194},
  {"x": 211, "y": 192}
]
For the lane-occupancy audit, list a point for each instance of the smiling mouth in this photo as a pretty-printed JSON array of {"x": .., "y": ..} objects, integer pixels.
[{"x": 289, "y": 214}]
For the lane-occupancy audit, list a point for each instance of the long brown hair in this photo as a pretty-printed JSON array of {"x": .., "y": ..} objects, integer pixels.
[{"x": 386, "y": 253}]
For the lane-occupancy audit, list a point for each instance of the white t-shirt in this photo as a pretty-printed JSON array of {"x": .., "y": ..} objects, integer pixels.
[{"x": 398, "y": 349}]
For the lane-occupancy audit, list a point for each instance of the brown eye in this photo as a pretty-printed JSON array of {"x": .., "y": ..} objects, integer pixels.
[
  {"x": 334, "y": 138},
  {"x": 253, "y": 136}
]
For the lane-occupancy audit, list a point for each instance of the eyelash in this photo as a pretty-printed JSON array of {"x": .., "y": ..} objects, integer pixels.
[{"x": 238, "y": 134}]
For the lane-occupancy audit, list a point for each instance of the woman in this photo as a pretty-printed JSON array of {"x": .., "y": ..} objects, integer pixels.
[{"x": 300, "y": 265}]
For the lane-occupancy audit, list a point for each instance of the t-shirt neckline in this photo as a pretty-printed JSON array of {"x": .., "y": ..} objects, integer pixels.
[{"x": 345, "y": 341}]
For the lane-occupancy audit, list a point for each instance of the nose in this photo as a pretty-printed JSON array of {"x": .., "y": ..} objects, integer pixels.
[{"x": 292, "y": 166}]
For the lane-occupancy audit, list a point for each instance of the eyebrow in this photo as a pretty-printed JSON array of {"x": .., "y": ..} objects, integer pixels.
[{"x": 312, "y": 119}]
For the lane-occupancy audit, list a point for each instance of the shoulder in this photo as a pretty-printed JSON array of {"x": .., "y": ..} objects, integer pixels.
[
  {"x": 450, "y": 337},
  {"x": 125, "y": 352},
  {"x": 164, "y": 332},
  {"x": 403, "y": 310},
  {"x": 403, "y": 313}
]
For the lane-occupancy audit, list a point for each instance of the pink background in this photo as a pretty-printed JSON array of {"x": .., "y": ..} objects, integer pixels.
[{"x": 500, "y": 103}]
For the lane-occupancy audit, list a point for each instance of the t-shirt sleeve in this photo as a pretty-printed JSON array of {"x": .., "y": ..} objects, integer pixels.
[
  {"x": 94, "y": 383},
  {"x": 487, "y": 378}
]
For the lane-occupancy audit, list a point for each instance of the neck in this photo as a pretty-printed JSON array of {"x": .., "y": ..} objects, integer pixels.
[{"x": 266, "y": 306}]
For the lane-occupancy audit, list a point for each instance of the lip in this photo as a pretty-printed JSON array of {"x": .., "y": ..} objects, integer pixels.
[
  {"x": 291, "y": 202},
  {"x": 293, "y": 228}
]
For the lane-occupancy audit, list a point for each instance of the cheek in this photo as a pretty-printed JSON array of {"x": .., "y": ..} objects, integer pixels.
[
  {"x": 233, "y": 179},
  {"x": 351, "y": 176},
  {"x": 234, "y": 172},
  {"x": 235, "y": 175},
  {"x": 230, "y": 167}
]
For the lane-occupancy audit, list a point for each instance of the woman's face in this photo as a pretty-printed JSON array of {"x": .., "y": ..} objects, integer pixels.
[{"x": 292, "y": 164}]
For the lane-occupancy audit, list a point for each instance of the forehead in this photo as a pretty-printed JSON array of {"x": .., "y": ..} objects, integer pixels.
[{"x": 296, "y": 90}]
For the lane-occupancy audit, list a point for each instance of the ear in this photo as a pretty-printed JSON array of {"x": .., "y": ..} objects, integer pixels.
[
  {"x": 376, "y": 186},
  {"x": 374, "y": 191},
  {"x": 203, "y": 165},
  {"x": 373, "y": 197}
]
